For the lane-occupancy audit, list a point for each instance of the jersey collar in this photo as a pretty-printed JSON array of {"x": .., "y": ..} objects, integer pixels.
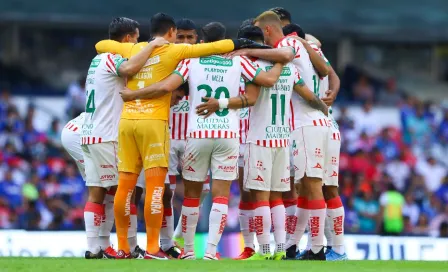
[{"x": 289, "y": 35}]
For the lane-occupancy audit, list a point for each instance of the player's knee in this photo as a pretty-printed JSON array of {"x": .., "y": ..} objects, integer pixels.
[
  {"x": 167, "y": 196},
  {"x": 275, "y": 196},
  {"x": 96, "y": 194},
  {"x": 330, "y": 192},
  {"x": 245, "y": 196},
  {"x": 192, "y": 189},
  {"x": 137, "y": 196},
  {"x": 258, "y": 196},
  {"x": 221, "y": 188}
]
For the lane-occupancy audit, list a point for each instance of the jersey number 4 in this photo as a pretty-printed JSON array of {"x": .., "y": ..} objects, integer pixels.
[
  {"x": 218, "y": 92},
  {"x": 90, "y": 105}
]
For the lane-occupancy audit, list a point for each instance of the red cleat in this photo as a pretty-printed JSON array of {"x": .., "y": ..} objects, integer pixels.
[
  {"x": 121, "y": 255},
  {"x": 160, "y": 255},
  {"x": 109, "y": 253},
  {"x": 247, "y": 253}
]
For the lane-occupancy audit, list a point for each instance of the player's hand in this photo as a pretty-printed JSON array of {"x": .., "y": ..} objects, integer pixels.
[
  {"x": 310, "y": 37},
  {"x": 303, "y": 41},
  {"x": 240, "y": 52},
  {"x": 329, "y": 98},
  {"x": 127, "y": 95},
  {"x": 159, "y": 41},
  {"x": 208, "y": 108}
]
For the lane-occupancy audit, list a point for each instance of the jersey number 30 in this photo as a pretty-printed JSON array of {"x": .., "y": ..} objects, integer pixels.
[{"x": 218, "y": 92}]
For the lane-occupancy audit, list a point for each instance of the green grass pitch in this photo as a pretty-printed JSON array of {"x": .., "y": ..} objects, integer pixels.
[{"x": 78, "y": 265}]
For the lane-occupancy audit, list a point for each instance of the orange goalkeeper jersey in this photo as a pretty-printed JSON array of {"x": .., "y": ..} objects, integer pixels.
[{"x": 160, "y": 64}]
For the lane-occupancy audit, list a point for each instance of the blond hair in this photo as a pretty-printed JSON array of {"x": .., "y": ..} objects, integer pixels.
[{"x": 268, "y": 17}]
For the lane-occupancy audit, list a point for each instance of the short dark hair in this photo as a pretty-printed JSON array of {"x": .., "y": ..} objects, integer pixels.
[
  {"x": 186, "y": 24},
  {"x": 291, "y": 28},
  {"x": 185, "y": 87},
  {"x": 247, "y": 22},
  {"x": 122, "y": 26},
  {"x": 253, "y": 33},
  {"x": 282, "y": 13},
  {"x": 214, "y": 31},
  {"x": 161, "y": 23}
]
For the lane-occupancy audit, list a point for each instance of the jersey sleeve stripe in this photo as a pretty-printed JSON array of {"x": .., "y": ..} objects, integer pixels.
[{"x": 111, "y": 63}]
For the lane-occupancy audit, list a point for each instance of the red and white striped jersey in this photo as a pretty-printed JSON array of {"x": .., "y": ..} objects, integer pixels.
[
  {"x": 301, "y": 113},
  {"x": 104, "y": 103},
  {"x": 244, "y": 116},
  {"x": 270, "y": 114},
  {"x": 215, "y": 77},
  {"x": 76, "y": 123},
  {"x": 179, "y": 120}
]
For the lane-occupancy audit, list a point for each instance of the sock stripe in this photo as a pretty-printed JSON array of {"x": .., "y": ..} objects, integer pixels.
[
  {"x": 133, "y": 209},
  {"x": 290, "y": 202},
  {"x": 221, "y": 200},
  {"x": 111, "y": 191},
  {"x": 275, "y": 203},
  {"x": 94, "y": 208},
  {"x": 168, "y": 212},
  {"x": 261, "y": 204},
  {"x": 191, "y": 202},
  {"x": 302, "y": 203},
  {"x": 316, "y": 204},
  {"x": 245, "y": 206},
  {"x": 334, "y": 203}
]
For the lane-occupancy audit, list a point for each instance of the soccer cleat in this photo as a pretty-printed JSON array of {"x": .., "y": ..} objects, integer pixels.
[
  {"x": 89, "y": 255},
  {"x": 173, "y": 252},
  {"x": 328, "y": 249},
  {"x": 138, "y": 253},
  {"x": 332, "y": 256},
  {"x": 278, "y": 256},
  {"x": 210, "y": 257},
  {"x": 187, "y": 255},
  {"x": 311, "y": 256},
  {"x": 121, "y": 255},
  {"x": 109, "y": 253},
  {"x": 259, "y": 257},
  {"x": 159, "y": 255},
  {"x": 300, "y": 254},
  {"x": 291, "y": 252},
  {"x": 247, "y": 253},
  {"x": 179, "y": 241}
]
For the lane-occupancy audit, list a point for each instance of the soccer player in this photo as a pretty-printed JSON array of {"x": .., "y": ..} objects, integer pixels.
[
  {"x": 283, "y": 14},
  {"x": 266, "y": 171},
  {"x": 99, "y": 129},
  {"x": 212, "y": 142},
  {"x": 309, "y": 136},
  {"x": 143, "y": 130}
]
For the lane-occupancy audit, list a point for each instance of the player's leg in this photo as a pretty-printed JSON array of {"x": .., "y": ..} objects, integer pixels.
[
  {"x": 315, "y": 145},
  {"x": 129, "y": 166},
  {"x": 257, "y": 178},
  {"x": 224, "y": 169},
  {"x": 280, "y": 183},
  {"x": 290, "y": 197},
  {"x": 108, "y": 219},
  {"x": 136, "y": 251},
  {"x": 245, "y": 214},
  {"x": 196, "y": 162}
]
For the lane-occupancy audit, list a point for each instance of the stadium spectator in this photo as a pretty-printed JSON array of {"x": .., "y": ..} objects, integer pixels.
[
  {"x": 390, "y": 96},
  {"x": 442, "y": 192},
  {"x": 432, "y": 172},
  {"x": 422, "y": 226},
  {"x": 388, "y": 146},
  {"x": 399, "y": 170},
  {"x": 367, "y": 209},
  {"x": 363, "y": 90},
  {"x": 76, "y": 98},
  {"x": 410, "y": 209},
  {"x": 436, "y": 222},
  {"x": 419, "y": 129},
  {"x": 392, "y": 202},
  {"x": 366, "y": 120}
]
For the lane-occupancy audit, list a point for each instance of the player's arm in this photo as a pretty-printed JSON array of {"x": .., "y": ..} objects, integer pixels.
[
  {"x": 254, "y": 74},
  {"x": 110, "y": 46},
  {"x": 334, "y": 85},
  {"x": 248, "y": 99},
  {"x": 281, "y": 55},
  {"x": 312, "y": 100},
  {"x": 136, "y": 62},
  {"x": 156, "y": 90}
]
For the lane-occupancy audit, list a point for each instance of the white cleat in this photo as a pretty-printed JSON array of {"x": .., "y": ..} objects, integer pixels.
[
  {"x": 210, "y": 257},
  {"x": 187, "y": 255}
]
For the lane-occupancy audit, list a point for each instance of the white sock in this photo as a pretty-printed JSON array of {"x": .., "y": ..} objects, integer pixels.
[
  {"x": 336, "y": 216},
  {"x": 132, "y": 231},
  {"x": 308, "y": 241},
  {"x": 328, "y": 230},
  {"x": 217, "y": 223},
  {"x": 262, "y": 225},
  {"x": 189, "y": 222},
  {"x": 245, "y": 217},
  {"x": 291, "y": 219},
  {"x": 167, "y": 230},
  {"x": 278, "y": 224},
  {"x": 93, "y": 216},
  {"x": 318, "y": 212},
  {"x": 108, "y": 221},
  {"x": 302, "y": 215}
]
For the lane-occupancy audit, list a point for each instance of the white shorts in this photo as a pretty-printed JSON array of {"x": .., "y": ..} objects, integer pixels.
[
  {"x": 241, "y": 155},
  {"x": 332, "y": 157},
  {"x": 177, "y": 150},
  {"x": 101, "y": 164},
  {"x": 266, "y": 168},
  {"x": 71, "y": 141},
  {"x": 218, "y": 155},
  {"x": 292, "y": 153},
  {"x": 309, "y": 153}
]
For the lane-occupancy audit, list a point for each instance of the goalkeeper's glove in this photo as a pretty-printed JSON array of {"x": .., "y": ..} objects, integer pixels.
[{"x": 246, "y": 43}]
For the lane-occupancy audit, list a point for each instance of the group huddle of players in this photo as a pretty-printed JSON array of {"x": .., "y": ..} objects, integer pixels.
[{"x": 256, "y": 109}]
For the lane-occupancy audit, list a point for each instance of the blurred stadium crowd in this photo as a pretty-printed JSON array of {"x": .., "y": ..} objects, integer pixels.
[{"x": 40, "y": 188}]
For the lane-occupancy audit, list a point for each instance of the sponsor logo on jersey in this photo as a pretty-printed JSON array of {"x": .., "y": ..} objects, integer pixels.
[
  {"x": 155, "y": 157},
  {"x": 317, "y": 166},
  {"x": 106, "y": 166},
  {"x": 285, "y": 180},
  {"x": 227, "y": 169},
  {"x": 155, "y": 145},
  {"x": 95, "y": 62},
  {"x": 318, "y": 153},
  {"x": 232, "y": 157},
  {"x": 260, "y": 166},
  {"x": 285, "y": 72},
  {"x": 183, "y": 106},
  {"x": 152, "y": 61},
  {"x": 259, "y": 178},
  {"x": 334, "y": 174},
  {"x": 189, "y": 168},
  {"x": 314, "y": 226},
  {"x": 156, "y": 202},
  {"x": 215, "y": 60},
  {"x": 334, "y": 160},
  {"x": 107, "y": 177}
]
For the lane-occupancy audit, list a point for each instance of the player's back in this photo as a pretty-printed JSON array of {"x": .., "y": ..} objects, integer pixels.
[
  {"x": 216, "y": 77},
  {"x": 104, "y": 104},
  {"x": 269, "y": 119}
]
